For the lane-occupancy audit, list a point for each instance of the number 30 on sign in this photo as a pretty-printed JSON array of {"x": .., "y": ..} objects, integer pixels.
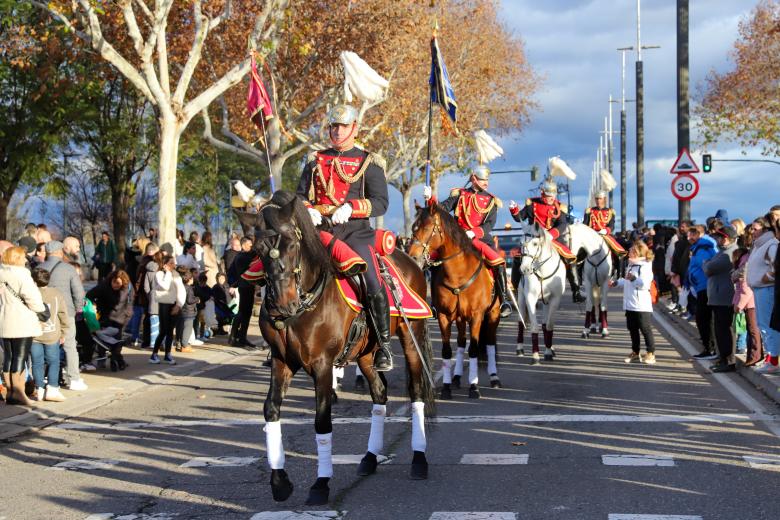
[{"x": 685, "y": 187}]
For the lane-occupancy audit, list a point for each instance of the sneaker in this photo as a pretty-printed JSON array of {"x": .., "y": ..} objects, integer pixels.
[
  {"x": 649, "y": 359},
  {"x": 705, "y": 354},
  {"x": 723, "y": 367},
  {"x": 633, "y": 358},
  {"x": 195, "y": 342},
  {"x": 39, "y": 393},
  {"x": 154, "y": 360},
  {"x": 53, "y": 394},
  {"x": 88, "y": 367},
  {"x": 169, "y": 360},
  {"x": 768, "y": 368},
  {"x": 78, "y": 385}
]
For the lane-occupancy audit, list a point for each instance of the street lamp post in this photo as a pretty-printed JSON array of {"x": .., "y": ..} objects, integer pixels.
[
  {"x": 623, "y": 101},
  {"x": 683, "y": 109}
]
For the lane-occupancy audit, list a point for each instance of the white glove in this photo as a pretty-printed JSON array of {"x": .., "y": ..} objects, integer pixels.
[
  {"x": 427, "y": 193},
  {"x": 512, "y": 205},
  {"x": 316, "y": 217},
  {"x": 470, "y": 234},
  {"x": 341, "y": 215},
  {"x": 603, "y": 232}
]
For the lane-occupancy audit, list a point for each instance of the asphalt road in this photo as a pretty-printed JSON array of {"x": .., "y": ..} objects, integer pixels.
[{"x": 552, "y": 444}]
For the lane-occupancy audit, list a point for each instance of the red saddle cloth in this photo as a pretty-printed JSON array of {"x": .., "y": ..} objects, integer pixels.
[{"x": 415, "y": 307}]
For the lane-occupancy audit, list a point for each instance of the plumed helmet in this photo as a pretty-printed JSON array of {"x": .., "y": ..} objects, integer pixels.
[
  {"x": 481, "y": 172},
  {"x": 600, "y": 195},
  {"x": 549, "y": 188},
  {"x": 342, "y": 115}
]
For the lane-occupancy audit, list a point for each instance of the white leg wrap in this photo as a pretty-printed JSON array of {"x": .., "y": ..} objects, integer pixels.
[
  {"x": 418, "y": 426},
  {"x": 324, "y": 455},
  {"x": 376, "y": 439},
  {"x": 491, "y": 353},
  {"x": 446, "y": 371},
  {"x": 473, "y": 375},
  {"x": 338, "y": 373},
  {"x": 459, "y": 361},
  {"x": 273, "y": 444}
]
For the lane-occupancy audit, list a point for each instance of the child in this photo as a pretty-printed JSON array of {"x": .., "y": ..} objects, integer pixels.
[
  {"x": 637, "y": 301},
  {"x": 748, "y": 333},
  {"x": 46, "y": 347},
  {"x": 222, "y": 299},
  {"x": 187, "y": 315},
  {"x": 203, "y": 292}
]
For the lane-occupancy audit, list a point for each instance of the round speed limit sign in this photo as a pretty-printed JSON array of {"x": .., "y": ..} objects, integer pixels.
[{"x": 685, "y": 187}]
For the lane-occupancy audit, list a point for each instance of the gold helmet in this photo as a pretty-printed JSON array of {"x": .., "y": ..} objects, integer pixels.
[
  {"x": 549, "y": 188},
  {"x": 481, "y": 172},
  {"x": 342, "y": 115}
]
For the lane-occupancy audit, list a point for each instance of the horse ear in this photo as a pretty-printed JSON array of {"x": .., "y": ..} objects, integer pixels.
[
  {"x": 287, "y": 211},
  {"x": 417, "y": 206},
  {"x": 248, "y": 220}
]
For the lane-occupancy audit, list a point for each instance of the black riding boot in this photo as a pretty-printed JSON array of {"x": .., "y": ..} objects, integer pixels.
[
  {"x": 574, "y": 281},
  {"x": 499, "y": 277},
  {"x": 379, "y": 309}
]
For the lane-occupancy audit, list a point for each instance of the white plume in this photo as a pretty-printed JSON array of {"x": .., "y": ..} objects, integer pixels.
[
  {"x": 608, "y": 182},
  {"x": 487, "y": 148},
  {"x": 361, "y": 80},
  {"x": 243, "y": 191},
  {"x": 559, "y": 168}
]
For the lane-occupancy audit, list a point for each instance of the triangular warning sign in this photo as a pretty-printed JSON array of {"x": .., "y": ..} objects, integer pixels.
[{"x": 684, "y": 163}]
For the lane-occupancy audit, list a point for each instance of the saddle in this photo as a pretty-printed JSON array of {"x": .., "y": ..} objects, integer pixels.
[{"x": 614, "y": 245}]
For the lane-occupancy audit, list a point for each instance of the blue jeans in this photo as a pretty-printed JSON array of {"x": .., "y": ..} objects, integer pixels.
[
  {"x": 46, "y": 355},
  {"x": 134, "y": 325},
  {"x": 765, "y": 301},
  {"x": 154, "y": 329}
]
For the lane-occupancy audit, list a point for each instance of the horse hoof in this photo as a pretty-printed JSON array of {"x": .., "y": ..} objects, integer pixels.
[
  {"x": 367, "y": 465},
  {"x": 585, "y": 334},
  {"x": 474, "y": 392},
  {"x": 360, "y": 383},
  {"x": 535, "y": 359},
  {"x": 446, "y": 392},
  {"x": 456, "y": 381},
  {"x": 552, "y": 352},
  {"x": 334, "y": 397},
  {"x": 318, "y": 493},
  {"x": 419, "y": 470},
  {"x": 548, "y": 357},
  {"x": 495, "y": 382},
  {"x": 604, "y": 333},
  {"x": 281, "y": 487},
  {"x": 594, "y": 328},
  {"x": 520, "y": 352}
]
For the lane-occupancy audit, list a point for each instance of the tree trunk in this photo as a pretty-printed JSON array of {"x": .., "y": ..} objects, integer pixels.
[
  {"x": 4, "y": 203},
  {"x": 120, "y": 215},
  {"x": 169, "y": 153},
  {"x": 406, "y": 193}
]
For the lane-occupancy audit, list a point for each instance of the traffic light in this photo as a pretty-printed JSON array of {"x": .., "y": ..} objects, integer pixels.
[
  {"x": 534, "y": 173},
  {"x": 706, "y": 162}
]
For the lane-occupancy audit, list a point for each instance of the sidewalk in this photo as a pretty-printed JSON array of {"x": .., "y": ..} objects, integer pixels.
[
  {"x": 769, "y": 384},
  {"x": 106, "y": 386}
]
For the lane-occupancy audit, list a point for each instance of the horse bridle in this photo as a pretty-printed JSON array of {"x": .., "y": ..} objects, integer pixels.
[
  {"x": 536, "y": 265},
  {"x": 426, "y": 246}
]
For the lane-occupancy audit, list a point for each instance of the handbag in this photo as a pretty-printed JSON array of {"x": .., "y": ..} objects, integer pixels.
[{"x": 43, "y": 316}]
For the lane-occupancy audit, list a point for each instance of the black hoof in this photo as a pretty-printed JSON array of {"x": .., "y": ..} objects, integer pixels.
[
  {"x": 548, "y": 357},
  {"x": 367, "y": 465},
  {"x": 281, "y": 487},
  {"x": 334, "y": 397},
  {"x": 456, "y": 381},
  {"x": 360, "y": 383},
  {"x": 318, "y": 493},
  {"x": 446, "y": 392},
  {"x": 419, "y": 469},
  {"x": 474, "y": 392},
  {"x": 495, "y": 382}
]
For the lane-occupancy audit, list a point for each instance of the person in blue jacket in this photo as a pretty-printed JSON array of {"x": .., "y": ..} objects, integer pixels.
[{"x": 703, "y": 247}]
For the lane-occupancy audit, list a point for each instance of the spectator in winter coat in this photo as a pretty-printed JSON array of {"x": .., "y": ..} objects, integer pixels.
[
  {"x": 45, "y": 350},
  {"x": 141, "y": 299},
  {"x": 114, "y": 302},
  {"x": 105, "y": 255},
  {"x": 28, "y": 241},
  {"x": 760, "y": 276},
  {"x": 222, "y": 294},
  {"x": 204, "y": 294},
  {"x": 167, "y": 296},
  {"x": 189, "y": 311},
  {"x": 210, "y": 262},
  {"x": 720, "y": 295},
  {"x": 744, "y": 302},
  {"x": 702, "y": 249}
]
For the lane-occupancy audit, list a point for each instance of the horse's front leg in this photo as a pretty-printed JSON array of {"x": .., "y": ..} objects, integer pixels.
[
  {"x": 603, "y": 305},
  {"x": 534, "y": 326},
  {"x": 445, "y": 326},
  {"x": 475, "y": 326},
  {"x": 323, "y": 427},
  {"x": 281, "y": 487},
  {"x": 460, "y": 353},
  {"x": 522, "y": 319},
  {"x": 377, "y": 385},
  {"x": 420, "y": 393}
]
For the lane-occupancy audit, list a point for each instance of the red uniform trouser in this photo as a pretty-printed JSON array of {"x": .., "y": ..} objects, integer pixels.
[{"x": 490, "y": 256}]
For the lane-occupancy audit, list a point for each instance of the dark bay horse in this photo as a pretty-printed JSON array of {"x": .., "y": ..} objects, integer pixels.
[
  {"x": 306, "y": 323},
  {"x": 462, "y": 293}
]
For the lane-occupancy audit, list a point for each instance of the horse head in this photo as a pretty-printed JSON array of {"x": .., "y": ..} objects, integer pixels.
[
  {"x": 534, "y": 242},
  {"x": 427, "y": 233}
]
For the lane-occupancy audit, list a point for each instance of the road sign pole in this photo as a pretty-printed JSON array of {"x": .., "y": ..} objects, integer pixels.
[{"x": 683, "y": 111}]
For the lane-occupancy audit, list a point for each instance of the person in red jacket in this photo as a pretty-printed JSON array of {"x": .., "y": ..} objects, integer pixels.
[{"x": 601, "y": 219}]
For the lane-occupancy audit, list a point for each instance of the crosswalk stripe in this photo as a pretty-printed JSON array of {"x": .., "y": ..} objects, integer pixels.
[
  {"x": 490, "y": 459},
  {"x": 85, "y": 464},
  {"x": 472, "y": 515},
  {"x": 224, "y": 462},
  {"x": 653, "y": 517},
  {"x": 132, "y": 516},
  {"x": 355, "y": 459},
  {"x": 763, "y": 462},
  {"x": 637, "y": 460},
  {"x": 298, "y": 515}
]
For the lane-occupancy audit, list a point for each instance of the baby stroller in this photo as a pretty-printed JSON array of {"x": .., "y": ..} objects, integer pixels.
[{"x": 106, "y": 341}]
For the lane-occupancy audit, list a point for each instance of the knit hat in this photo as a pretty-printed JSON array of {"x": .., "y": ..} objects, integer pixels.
[{"x": 53, "y": 246}]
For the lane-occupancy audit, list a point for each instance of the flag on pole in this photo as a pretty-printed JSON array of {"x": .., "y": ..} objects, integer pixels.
[
  {"x": 258, "y": 104},
  {"x": 442, "y": 92}
]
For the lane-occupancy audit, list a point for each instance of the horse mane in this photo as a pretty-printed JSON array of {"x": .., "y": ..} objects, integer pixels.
[
  {"x": 454, "y": 231},
  {"x": 314, "y": 254}
]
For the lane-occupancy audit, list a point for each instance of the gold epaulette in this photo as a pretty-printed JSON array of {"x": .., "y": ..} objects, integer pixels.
[
  {"x": 528, "y": 202},
  {"x": 311, "y": 157},
  {"x": 455, "y": 192},
  {"x": 378, "y": 160},
  {"x": 498, "y": 202},
  {"x": 564, "y": 208},
  {"x": 587, "y": 210}
]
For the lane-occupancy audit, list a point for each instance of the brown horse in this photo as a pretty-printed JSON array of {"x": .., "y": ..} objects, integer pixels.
[
  {"x": 461, "y": 291},
  {"x": 307, "y": 323}
]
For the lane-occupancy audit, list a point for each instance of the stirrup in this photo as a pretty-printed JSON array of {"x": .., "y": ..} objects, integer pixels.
[
  {"x": 383, "y": 360},
  {"x": 506, "y": 309}
]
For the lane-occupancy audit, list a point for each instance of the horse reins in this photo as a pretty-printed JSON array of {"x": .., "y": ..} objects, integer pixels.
[{"x": 537, "y": 266}]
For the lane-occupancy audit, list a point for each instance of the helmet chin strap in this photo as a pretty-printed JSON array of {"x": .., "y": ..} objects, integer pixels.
[{"x": 337, "y": 143}]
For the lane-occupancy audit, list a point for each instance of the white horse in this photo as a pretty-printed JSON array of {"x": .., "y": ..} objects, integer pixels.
[
  {"x": 543, "y": 278},
  {"x": 595, "y": 277}
]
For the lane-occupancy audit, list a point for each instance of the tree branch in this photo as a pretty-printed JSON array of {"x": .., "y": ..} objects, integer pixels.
[{"x": 196, "y": 52}]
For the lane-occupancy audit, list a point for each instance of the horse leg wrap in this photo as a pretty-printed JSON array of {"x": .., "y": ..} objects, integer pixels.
[
  {"x": 376, "y": 439},
  {"x": 459, "y": 361},
  {"x": 446, "y": 371},
  {"x": 273, "y": 444},
  {"x": 491, "y": 355},
  {"x": 588, "y": 318},
  {"x": 418, "y": 426},
  {"x": 338, "y": 373},
  {"x": 324, "y": 454},
  {"x": 473, "y": 375},
  {"x": 520, "y": 331},
  {"x": 548, "y": 338},
  {"x": 535, "y": 342},
  {"x": 603, "y": 319}
]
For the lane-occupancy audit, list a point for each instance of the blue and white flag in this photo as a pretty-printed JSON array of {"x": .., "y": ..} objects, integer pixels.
[{"x": 441, "y": 88}]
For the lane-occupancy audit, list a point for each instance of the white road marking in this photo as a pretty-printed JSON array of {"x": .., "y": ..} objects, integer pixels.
[
  {"x": 472, "y": 515},
  {"x": 85, "y": 464},
  {"x": 492, "y": 459},
  {"x": 637, "y": 460},
  {"x": 132, "y": 516},
  {"x": 653, "y": 517},
  {"x": 771, "y": 421},
  {"x": 224, "y": 462},
  {"x": 355, "y": 459},
  {"x": 763, "y": 462},
  {"x": 298, "y": 515}
]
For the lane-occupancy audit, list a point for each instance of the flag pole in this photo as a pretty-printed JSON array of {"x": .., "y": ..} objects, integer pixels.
[
  {"x": 430, "y": 132},
  {"x": 267, "y": 153}
]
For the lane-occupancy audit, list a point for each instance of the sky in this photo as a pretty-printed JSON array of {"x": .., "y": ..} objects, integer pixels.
[{"x": 572, "y": 45}]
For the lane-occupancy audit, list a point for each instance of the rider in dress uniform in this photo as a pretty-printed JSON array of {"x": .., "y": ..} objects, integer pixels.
[
  {"x": 476, "y": 210},
  {"x": 602, "y": 219},
  {"x": 348, "y": 185},
  {"x": 549, "y": 213}
]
